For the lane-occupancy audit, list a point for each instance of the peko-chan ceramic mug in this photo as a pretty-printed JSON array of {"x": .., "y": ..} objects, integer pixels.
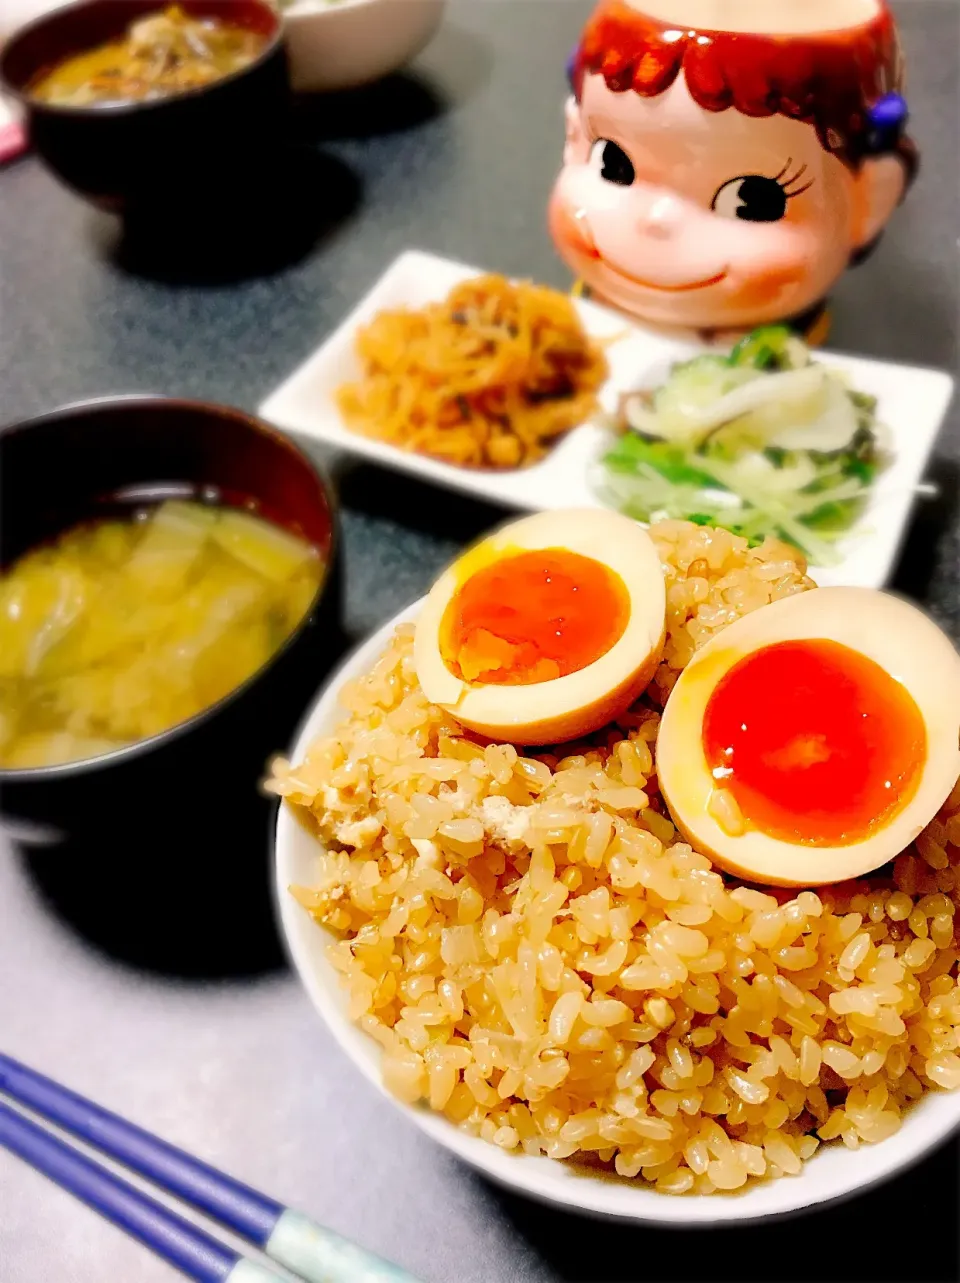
[{"x": 727, "y": 160}]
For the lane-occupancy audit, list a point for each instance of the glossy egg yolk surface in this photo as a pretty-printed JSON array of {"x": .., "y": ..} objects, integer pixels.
[
  {"x": 831, "y": 759},
  {"x": 812, "y": 740},
  {"x": 545, "y": 630},
  {"x": 532, "y": 617}
]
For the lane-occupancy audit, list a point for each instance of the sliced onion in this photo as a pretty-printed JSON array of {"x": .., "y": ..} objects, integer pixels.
[
  {"x": 805, "y": 409},
  {"x": 639, "y": 415},
  {"x": 833, "y": 428},
  {"x": 757, "y": 470},
  {"x": 772, "y": 389}
]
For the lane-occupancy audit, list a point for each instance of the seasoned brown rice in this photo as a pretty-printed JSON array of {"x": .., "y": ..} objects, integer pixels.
[{"x": 547, "y": 965}]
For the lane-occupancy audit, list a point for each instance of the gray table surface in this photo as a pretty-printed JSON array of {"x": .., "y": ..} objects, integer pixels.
[{"x": 458, "y": 159}]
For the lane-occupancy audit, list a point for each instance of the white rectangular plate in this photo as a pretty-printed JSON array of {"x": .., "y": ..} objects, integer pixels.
[{"x": 911, "y": 402}]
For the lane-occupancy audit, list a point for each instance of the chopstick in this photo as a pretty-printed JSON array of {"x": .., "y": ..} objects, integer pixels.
[
  {"x": 302, "y": 1246},
  {"x": 173, "y": 1239}
]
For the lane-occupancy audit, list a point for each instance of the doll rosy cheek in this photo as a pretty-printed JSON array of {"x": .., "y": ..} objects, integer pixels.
[
  {"x": 768, "y": 284},
  {"x": 568, "y": 230}
]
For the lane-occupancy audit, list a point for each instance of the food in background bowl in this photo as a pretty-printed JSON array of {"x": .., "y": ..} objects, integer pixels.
[
  {"x": 126, "y": 625},
  {"x": 158, "y": 146},
  {"x": 136, "y": 450},
  {"x": 489, "y": 378},
  {"x": 546, "y": 963},
  {"x": 166, "y": 52}
]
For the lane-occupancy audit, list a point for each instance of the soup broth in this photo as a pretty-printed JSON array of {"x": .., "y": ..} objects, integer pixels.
[
  {"x": 125, "y": 626},
  {"x": 164, "y": 53}
]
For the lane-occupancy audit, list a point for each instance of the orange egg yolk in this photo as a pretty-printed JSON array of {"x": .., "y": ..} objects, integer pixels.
[
  {"x": 817, "y": 743},
  {"x": 533, "y": 616}
]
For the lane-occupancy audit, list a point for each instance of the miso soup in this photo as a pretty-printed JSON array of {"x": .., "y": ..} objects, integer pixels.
[
  {"x": 123, "y": 627},
  {"x": 164, "y": 53}
]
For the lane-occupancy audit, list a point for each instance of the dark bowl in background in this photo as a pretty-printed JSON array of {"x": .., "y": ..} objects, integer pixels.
[
  {"x": 158, "y": 852},
  {"x": 133, "y": 155}
]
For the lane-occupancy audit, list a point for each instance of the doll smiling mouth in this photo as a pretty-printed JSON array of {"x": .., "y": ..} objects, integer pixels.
[
  {"x": 586, "y": 243},
  {"x": 667, "y": 289}
]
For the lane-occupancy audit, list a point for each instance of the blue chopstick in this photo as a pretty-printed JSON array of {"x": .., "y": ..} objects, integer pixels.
[
  {"x": 247, "y": 1213},
  {"x": 178, "y": 1242},
  {"x": 308, "y": 1249}
]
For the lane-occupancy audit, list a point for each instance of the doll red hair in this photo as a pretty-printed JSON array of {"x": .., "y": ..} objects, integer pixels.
[{"x": 830, "y": 80}]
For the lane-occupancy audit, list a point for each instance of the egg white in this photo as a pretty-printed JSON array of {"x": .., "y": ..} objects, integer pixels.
[
  {"x": 886, "y": 629},
  {"x": 554, "y": 711}
]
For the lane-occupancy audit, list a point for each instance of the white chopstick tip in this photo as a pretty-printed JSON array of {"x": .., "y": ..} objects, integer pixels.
[
  {"x": 246, "y": 1271},
  {"x": 320, "y": 1256}
]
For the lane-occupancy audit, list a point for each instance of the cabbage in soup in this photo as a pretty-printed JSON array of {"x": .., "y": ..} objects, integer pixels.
[
  {"x": 124, "y": 627},
  {"x": 162, "y": 54}
]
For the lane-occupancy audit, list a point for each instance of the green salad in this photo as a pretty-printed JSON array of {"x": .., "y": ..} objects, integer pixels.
[{"x": 765, "y": 441}]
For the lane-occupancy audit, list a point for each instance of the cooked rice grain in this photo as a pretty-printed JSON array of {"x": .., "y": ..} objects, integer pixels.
[{"x": 545, "y": 963}]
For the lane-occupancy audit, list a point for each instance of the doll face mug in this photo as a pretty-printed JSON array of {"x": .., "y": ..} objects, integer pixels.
[{"x": 726, "y": 160}]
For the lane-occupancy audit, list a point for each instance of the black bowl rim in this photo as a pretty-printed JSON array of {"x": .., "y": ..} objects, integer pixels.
[
  {"x": 274, "y": 42},
  {"x": 83, "y": 765}
]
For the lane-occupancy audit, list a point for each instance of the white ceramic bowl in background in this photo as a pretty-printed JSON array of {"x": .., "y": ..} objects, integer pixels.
[
  {"x": 340, "y": 44},
  {"x": 15, "y": 14},
  {"x": 833, "y": 1173}
]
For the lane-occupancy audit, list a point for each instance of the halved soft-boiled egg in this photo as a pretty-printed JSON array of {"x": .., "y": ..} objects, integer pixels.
[
  {"x": 545, "y": 630},
  {"x": 813, "y": 739}
]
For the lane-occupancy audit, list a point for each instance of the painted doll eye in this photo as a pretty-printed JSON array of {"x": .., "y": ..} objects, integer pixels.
[
  {"x": 756, "y": 198},
  {"x": 612, "y": 162}
]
